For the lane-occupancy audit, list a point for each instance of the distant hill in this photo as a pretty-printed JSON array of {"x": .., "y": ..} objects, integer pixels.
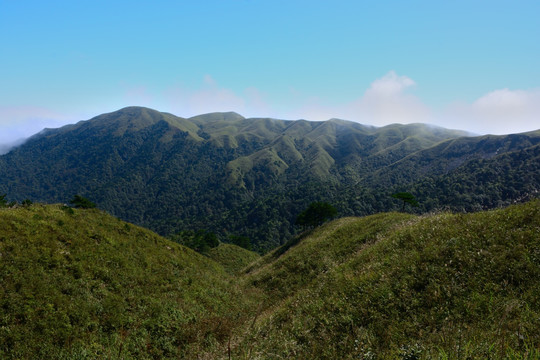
[
  {"x": 233, "y": 258},
  {"x": 251, "y": 177},
  {"x": 83, "y": 284}
]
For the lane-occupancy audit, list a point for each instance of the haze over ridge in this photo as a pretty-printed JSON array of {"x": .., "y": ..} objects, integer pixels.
[{"x": 367, "y": 62}]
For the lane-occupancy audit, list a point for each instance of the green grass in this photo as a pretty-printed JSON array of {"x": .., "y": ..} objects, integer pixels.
[
  {"x": 287, "y": 269},
  {"x": 391, "y": 286},
  {"x": 233, "y": 258},
  {"x": 82, "y": 284}
]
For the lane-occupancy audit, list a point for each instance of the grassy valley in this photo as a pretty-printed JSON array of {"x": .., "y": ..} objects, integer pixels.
[
  {"x": 233, "y": 258},
  {"x": 390, "y": 286},
  {"x": 82, "y": 284}
]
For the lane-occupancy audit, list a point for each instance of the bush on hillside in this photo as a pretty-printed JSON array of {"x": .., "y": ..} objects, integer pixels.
[
  {"x": 201, "y": 240},
  {"x": 316, "y": 214},
  {"x": 242, "y": 241},
  {"x": 82, "y": 202}
]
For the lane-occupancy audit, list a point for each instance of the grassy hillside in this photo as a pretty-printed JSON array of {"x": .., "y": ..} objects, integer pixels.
[
  {"x": 233, "y": 258},
  {"x": 395, "y": 286},
  {"x": 82, "y": 284},
  {"x": 301, "y": 261}
]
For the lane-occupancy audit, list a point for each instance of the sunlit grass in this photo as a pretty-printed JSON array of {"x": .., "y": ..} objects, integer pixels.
[
  {"x": 395, "y": 286},
  {"x": 82, "y": 284}
]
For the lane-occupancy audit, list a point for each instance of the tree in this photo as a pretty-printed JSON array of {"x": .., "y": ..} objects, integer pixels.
[
  {"x": 316, "y": 214},
  {"x": 82, "y": 202},
  {"x": 407, "y": 198},
  {"x": 3, "y": 201},
  {"x": 26, "y": 202},
  {"x": 206, "y": 240},
  {"x": 201, "y": 240},
  {"x": 242, "y": 241}
]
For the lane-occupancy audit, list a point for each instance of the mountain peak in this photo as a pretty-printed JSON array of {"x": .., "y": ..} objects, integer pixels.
[
  {"x": 217, "y": 116},
  {"x": 135, "y": 108},
  {"x": 133, "y": 112},
  {"x": 132, "y": 118}
]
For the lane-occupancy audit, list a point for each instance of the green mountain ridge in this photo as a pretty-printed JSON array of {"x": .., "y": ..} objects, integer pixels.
[
  {"x": 169, "y": 173},
  {"x": 446, "y": 156},
  {"x": 83, "y": 284}
]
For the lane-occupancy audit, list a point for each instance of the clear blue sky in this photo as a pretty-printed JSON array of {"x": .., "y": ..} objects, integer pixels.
[{"x": 473, "y": 65}]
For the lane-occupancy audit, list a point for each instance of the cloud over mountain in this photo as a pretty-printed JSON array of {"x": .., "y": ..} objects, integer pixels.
[
  {"x": 388, "y": 99},
  {"x": 20, "y": 122},
  {"x": 498, "y": 111}
]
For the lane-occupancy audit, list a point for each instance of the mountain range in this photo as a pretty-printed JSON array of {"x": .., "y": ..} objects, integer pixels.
[{"x": 251, "y": 177}]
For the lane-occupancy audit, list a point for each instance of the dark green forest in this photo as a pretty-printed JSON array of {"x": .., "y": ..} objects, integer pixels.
[{"x": 233, "y": 176}]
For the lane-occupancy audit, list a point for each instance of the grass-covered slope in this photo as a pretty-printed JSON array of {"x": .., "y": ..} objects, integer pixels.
[
  {"x": 233, "y": 258},
  {"x": 392, "y": 286},
  {"x": 82, "y": 284},
  {"x": 305, "y": 258}
]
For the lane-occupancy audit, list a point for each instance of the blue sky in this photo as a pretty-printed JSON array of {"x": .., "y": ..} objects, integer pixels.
[{"x": 472, "y": 65}]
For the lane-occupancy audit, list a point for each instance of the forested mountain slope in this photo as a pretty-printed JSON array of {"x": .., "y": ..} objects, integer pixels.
[{"x": 251, "y": 177}]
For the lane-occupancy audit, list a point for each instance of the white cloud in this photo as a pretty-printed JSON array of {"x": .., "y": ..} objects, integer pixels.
[
  {"x": 389, "y": 85},
  {"x": 211, "y": 97},
  {"x": 501, "y": 111},
  {"x": 386, "y": 101},
  {"x": 505, "y": 100},
  {"x": 20, "y": 122}
]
